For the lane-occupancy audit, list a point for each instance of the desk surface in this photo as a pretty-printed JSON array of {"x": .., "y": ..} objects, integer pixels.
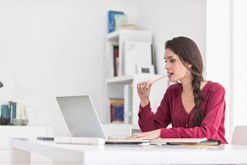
[{"x": 127, "y": 154}]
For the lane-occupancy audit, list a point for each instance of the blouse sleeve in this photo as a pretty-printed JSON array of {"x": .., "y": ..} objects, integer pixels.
[
  {"x": 212, "y": 122},
  {"x": 148, "y": 120}
]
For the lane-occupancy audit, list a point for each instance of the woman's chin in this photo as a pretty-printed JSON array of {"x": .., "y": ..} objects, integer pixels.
[{"x": 172, "y": 80}]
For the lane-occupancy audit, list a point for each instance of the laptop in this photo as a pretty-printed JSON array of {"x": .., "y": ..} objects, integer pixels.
[{"x": 83, "y": 121}]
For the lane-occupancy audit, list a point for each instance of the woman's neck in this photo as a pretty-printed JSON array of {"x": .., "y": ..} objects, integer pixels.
[{"x": 187, "y": 85}]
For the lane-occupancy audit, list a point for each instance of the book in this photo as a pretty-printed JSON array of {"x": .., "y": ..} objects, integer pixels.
[
  {"x": 120, "y": 19},
  {"x": 18, "y": 110},
  {"x": 186, "y": 141},
  {"x": 14, "y": 105},
  {"x": 111, "y": 19},
  {"x": 115, "y": 59},
  {"x": 117, "y": 110},
  {"x": 208, "y": 142},
  {"x": 79, "y": 140},
  {"x": 128, "y": 27},
  {"x": 11, "y": 112}
]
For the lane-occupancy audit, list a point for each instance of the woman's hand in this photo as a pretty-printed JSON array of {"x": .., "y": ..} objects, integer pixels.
[
  {"x": 143, "y": 90},
  {"x": 146, "y": 135}
]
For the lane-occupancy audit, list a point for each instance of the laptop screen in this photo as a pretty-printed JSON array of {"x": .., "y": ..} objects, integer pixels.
[{"x": 80, "y": 116}]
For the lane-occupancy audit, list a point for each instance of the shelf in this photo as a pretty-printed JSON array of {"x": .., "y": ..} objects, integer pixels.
[
  {"x": 121, "y": 79},
  {"x": 114, "y": 36},
  {"x": 124, "y": 80}
]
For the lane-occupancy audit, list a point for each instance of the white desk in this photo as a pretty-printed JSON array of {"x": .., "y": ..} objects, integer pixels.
[
  {"x": 127, "y": 154},
  {"x": 7, "y": 132}
]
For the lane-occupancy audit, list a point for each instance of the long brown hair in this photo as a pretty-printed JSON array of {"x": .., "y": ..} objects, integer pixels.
[{"x": 188, "y": 51}]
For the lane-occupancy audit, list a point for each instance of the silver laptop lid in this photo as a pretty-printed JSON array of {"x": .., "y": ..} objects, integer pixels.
[{"x": 80, "y": 115}]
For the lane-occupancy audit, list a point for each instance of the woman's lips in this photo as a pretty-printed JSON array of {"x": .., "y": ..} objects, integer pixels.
[{"x": 170, "y": 75}]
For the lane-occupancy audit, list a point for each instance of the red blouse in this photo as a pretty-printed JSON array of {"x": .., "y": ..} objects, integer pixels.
[{"x": 171, "y": 111}]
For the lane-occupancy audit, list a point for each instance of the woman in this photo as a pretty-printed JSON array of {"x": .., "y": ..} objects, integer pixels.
[{"x": 195, "y": 108}]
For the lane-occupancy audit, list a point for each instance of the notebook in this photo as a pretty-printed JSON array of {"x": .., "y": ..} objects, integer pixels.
[
  {"x": 83, "y": 121},
  {"x": 186, "y": 141}
]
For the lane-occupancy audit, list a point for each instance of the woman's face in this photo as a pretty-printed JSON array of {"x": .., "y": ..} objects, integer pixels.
[{"x": 175, "y": 68}]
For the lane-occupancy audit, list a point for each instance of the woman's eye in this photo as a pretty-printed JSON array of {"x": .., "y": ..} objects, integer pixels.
[{"x": 172, "y": 61}]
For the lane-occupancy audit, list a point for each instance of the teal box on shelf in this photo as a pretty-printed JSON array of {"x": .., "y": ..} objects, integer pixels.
[{"x": 5, "y": 115}]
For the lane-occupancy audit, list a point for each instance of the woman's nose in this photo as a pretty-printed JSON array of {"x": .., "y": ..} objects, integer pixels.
[{"x": 166, "y": 66}]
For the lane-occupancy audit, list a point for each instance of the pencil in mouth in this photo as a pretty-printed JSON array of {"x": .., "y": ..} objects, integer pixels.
[{"x": 160, "y": 78}]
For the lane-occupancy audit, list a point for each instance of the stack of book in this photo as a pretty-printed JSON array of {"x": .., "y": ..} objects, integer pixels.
[
  {"x": 118, "y": 20},
  {"x": 111, "y": 19},
  {"x": 13, "y": 113}
]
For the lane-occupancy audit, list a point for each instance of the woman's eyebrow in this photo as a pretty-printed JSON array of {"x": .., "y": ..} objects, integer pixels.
[{"x": 168, "y": 57}]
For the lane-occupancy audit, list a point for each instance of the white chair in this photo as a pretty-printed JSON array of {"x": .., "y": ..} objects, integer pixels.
[{"x": 240, "y": 135}]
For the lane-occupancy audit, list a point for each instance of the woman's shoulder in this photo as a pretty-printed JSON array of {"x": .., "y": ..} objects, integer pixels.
[
  {"x": 209, "y": 87},
  {"x": 213, "y": 86},
  {"x": 173, "y": 90}
]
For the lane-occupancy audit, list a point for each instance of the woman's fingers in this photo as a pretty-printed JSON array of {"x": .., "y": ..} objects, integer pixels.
[
  {"x": 133, "y": 136},
  {"x": 144, "y": 86},
  {"x": 137, "y": 136},
  {"x": 147, "y": 135}
]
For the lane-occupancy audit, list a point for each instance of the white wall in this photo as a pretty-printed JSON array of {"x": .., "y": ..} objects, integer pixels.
[
  {"x": 239, "y": 63},
  {"x": 172, "y": 18},
  {"x": 219, "y": 51},
  {"x": 226, "y": 56},
  {"x": 54, "y": 47}
]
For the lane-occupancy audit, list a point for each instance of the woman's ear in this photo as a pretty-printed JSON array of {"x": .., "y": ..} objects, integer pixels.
[{"x": 188, "y": 65}]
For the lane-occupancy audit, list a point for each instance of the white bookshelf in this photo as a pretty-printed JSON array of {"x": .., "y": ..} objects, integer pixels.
[
  {"x": 124, "y": 86},
  {"x": 119, "y": 38}
]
